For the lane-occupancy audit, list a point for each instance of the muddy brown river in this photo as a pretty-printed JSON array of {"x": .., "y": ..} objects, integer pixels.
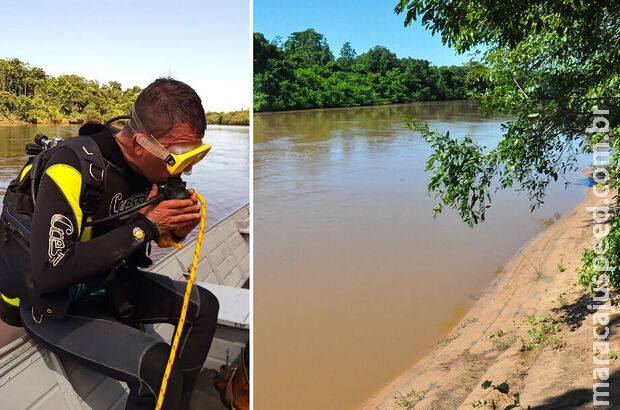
[{"x": 353, "y": 278}]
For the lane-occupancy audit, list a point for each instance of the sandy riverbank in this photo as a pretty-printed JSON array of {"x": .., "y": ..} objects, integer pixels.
[{"x": 539, "y": 281}]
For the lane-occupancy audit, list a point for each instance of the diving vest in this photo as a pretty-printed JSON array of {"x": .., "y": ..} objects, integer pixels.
[{"x": 16, "y": 220}]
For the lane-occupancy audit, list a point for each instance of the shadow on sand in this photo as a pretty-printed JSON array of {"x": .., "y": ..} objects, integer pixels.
[{"x": 583, "y": 398}]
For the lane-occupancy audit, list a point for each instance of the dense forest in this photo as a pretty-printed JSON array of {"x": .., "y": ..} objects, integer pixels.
[
  {"x": 302, "y": 72},
  {"x": 29, "y": 94}
]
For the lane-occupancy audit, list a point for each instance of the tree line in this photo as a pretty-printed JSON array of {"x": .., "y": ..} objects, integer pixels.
[
  {"x": 241, "y": 117},
  {"x": 302, "y": 72},
  {"x": 28, "y": 94}
]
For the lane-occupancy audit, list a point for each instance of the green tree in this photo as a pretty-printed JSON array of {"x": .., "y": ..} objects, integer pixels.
[
  {"x": 347, "y": 55},
  {"x": 548, "y": 62},
  {"x": 377, "y": 60},
  {"x": 538, "y": 66},
  {"x": 309, "y": 47},
  {"x": 263, "y": 52}
]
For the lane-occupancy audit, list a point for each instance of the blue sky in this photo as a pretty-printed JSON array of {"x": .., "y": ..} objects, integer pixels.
[
  {"x": 365, "y": 23},
  {"x": 203, "y": 43}
]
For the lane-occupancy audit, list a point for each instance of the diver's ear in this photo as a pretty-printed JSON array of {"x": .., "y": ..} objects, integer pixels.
[{"x": 137, "y": 148}]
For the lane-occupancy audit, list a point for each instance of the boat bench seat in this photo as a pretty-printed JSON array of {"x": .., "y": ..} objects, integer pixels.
[
  {"x": 233, "y": 324},
  {"x": 234, "y": 304}
]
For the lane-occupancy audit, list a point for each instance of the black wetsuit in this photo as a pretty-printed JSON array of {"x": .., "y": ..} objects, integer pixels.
[
  {"x": 60, "y": 260},
  {"x": 65, "y": 257}
]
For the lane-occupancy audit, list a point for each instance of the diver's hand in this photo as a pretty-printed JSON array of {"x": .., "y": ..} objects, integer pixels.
[
  {"x": 183, "y": 230},
  {"x": 173, "y": 214}
]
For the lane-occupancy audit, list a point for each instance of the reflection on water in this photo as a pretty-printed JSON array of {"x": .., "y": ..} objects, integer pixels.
[
  {"x": 222, "y": 177},
  {"x": 12, "y": 141},
  {"x": 353, "y": 278}
]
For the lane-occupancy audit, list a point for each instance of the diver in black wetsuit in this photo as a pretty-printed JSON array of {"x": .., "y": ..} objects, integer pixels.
[{"x": 94, "y": 270}]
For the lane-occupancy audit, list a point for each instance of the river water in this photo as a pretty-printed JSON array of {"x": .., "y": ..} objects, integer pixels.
[
  {"x": 222, "y": 177},
  {"x": 353, "y": 279}
]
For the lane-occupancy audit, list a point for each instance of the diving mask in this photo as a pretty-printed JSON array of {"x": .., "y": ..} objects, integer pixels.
[{"x": 176, "y": 161}]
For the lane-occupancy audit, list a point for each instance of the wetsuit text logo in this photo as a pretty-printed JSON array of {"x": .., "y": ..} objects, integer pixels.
[
  {"x": 118, "y": 204},
  {"x": 60, "y": 226}
]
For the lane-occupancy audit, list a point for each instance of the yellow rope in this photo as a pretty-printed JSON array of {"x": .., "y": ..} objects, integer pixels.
[
  {"x": 166, "y": 241},
  {"x": 188, "y": 291}
]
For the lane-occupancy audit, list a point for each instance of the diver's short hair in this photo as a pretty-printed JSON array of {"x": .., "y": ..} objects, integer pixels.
[{"x": 164, "y": 104}]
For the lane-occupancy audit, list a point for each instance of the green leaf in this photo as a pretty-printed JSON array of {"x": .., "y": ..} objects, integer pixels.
[
  {"x": 512, "y": 406},
  {"x": 486, "y": 384},
  {"x": 503, "y": 388}
]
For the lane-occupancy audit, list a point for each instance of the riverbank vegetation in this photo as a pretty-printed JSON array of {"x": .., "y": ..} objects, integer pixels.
[
  {"x": 556, "y": 67},
  {"x": 229, "y": 118},
  {"x": 29, "y": 94},
  {"x": 302, "y": 72}
]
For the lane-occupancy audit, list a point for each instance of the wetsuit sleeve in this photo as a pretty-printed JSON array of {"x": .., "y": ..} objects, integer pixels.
[{"x": 59, "y": 258}]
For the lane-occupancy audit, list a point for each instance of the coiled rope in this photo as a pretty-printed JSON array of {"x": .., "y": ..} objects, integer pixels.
[{"x": 167, "y": 241}]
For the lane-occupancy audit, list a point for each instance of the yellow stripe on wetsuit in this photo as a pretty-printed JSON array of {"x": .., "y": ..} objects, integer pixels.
[
  {"x": 88, "y": 231},
  {"x": 69, "y": 181},
  {"x": 25, "y": 171},
  {"x": 12, "y": 302}
]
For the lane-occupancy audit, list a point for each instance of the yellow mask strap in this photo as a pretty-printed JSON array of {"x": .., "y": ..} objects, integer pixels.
[{"x": 175, "y": 162}]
